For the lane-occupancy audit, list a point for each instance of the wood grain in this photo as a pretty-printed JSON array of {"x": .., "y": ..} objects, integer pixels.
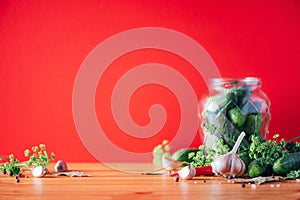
[{"x": 106, "y": 183}]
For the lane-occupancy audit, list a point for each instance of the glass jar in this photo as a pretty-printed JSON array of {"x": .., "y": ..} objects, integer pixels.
[{"x": 232, "y": 106}]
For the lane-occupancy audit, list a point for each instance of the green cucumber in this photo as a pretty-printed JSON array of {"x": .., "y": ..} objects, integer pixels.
[
  {"x": 287, "y": 163},
  {"x": 183, "y": 154},
  {"x": 237, "y": 116},
  {"x": 255, "y": 169}
]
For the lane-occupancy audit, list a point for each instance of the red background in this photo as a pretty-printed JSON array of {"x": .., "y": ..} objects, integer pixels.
[{"x": 43, "y": 44}]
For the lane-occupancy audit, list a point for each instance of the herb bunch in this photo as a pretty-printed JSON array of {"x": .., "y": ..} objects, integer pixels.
[
  {"x": 267, "y": 151},
  {"x": 38, "y": 156}
]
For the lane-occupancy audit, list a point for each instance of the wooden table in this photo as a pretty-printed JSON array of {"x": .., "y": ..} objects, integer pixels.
[{"x": 106, "y": 183}]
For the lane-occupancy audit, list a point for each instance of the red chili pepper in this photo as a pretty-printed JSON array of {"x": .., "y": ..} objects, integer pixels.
[
  {"x": 204, "y": 171},
  {"x": 200, "y": 171},
  {"x": 174, "y": 174}
]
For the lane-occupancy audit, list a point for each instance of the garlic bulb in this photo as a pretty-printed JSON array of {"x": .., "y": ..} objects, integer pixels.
[{"x": 230, "y": 164}]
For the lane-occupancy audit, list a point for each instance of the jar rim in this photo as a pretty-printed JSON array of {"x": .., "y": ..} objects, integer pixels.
[{"x": 233, "y": 82}]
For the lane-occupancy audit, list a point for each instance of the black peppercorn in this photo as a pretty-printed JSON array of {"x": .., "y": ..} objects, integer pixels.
[{"x": 11, "y": 173}]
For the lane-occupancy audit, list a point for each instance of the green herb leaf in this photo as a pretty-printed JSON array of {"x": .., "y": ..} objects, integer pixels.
[{"x": 295, "y": 174}]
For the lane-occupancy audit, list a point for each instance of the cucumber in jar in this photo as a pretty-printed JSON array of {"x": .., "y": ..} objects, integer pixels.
[{"x": 231, "y": 113}]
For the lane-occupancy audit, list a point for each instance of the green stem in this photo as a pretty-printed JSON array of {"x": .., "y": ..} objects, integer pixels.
[
  {"x": 20, "y": 164},
  {"x": 294, "y": 139},
  {"x": 238, "y": 142}
]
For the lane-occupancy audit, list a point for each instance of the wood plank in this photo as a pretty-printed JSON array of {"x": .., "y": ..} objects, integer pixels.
[{"x": 106, "y": 183}]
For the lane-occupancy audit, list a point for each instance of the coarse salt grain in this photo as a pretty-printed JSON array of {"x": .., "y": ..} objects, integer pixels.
[{"x": 253, "y": 186}]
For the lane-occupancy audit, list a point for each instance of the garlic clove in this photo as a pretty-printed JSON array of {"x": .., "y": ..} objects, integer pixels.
[
  {"x": 169, "y": 163},
  {"x": 60, "y": 166},
  {"x": 187, "y": 172},
  {"x": 39, "y": 171},
  {"x": 241, "y": 167}
]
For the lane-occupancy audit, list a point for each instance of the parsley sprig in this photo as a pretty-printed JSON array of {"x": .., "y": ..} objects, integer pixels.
[
  {"x": 12, "y": 167},
  {"x": 295, "y": 174},
  {"x": 38, "y": 156},
  {"x": 160, "y": 150},
  {"x": 206, "y": 155}
]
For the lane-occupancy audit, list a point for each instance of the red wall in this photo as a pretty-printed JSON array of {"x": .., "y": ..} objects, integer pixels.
[{"x": 43, "y": 44}]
